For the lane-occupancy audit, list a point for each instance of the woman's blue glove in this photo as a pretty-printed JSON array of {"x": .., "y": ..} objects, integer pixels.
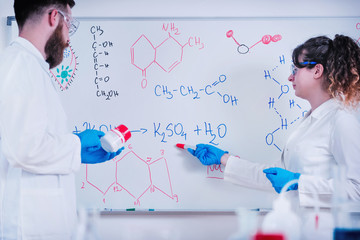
[
  {"x": 91, "y": 150},
  {"x": 207, "y": 154},
  {"x": 279, "y": 177}
]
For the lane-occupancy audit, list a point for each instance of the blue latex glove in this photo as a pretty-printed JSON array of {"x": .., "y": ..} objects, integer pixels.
[
  {"x": 207, "y": 154},
  {"x": 279, "y": 177},
  {"x": 91, "y": 150}
]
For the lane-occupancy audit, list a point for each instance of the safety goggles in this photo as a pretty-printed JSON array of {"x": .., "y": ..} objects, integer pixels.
[
  {"x": 294, "y": 69},
  {"x": 71, "y": 23}
]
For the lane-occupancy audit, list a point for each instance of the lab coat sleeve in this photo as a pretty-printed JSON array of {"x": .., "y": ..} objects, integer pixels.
[
  {"x": 28, "y": 139},
  {"x": 345, "y": 147},
  {"x": 248, "y": 174}
]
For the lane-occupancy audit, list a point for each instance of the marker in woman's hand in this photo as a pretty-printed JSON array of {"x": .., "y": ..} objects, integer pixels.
[
  {"x": 185, "y": 146},
  {"x": 207, "y": 154}
]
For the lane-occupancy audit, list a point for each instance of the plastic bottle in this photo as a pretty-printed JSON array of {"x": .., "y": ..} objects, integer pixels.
[
  {"x": 115, "y": 138},
  {"x": 247, "y": 224},
  {"x": 282, "y": 220}
]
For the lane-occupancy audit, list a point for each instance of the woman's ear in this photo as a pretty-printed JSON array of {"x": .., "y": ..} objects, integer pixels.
[{"x": 318, "y": 71}]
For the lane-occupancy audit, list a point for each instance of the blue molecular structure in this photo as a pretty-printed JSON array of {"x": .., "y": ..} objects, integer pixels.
[{"x": 274, "y": 101}]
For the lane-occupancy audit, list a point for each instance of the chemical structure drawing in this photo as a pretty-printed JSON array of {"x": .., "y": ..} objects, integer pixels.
[
  {"x": 64, "y": 74},
  {"x": 243, "y": 49},
  {"x": 102, "y": 48},
  {"x": 171, "y": 131},
  {"x": 167, "y": 55},
  {"x": 208, "y": 90},
  {"x": 133, "y": 175},
  {"x": 274, "y": 101},
  {"x": 358, "y": 28}
]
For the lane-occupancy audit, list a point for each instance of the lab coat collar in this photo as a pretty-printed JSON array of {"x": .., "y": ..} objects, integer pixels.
[
  {"x": 324, "y": 108},
  {"x": 32, "y": 49}
]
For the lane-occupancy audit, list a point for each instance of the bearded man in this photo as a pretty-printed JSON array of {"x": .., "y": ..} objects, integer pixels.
[{"x": 38, "y": 155}]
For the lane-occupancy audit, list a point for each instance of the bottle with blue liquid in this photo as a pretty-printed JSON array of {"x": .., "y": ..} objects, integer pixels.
[{"x": 346, "y": 213}]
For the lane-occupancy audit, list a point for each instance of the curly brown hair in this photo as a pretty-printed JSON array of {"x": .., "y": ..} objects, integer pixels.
[{"x": 341, "y": 61}]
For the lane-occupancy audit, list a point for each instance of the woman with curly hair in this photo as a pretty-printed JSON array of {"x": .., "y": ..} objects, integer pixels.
[{"x": 326, "y": 74}]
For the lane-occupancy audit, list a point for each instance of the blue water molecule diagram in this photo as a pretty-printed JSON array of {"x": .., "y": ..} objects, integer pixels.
[{"x": 284, "y": 122}]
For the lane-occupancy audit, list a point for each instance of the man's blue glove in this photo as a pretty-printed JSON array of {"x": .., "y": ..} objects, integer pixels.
[
  {"x": 91, "y": 150},
  {"x": 279, "y": 177},
  {"x": 207, "y": 154}
]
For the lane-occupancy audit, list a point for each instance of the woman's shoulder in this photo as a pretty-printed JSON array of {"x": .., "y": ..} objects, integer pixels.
[{"x": 346, "y": 118}]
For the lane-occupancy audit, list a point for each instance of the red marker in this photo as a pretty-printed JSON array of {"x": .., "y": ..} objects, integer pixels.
[{"x": 184, "y": 146}]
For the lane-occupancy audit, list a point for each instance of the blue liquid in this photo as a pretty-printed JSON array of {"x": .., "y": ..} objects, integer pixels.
[{"x": 346, "y": 234}]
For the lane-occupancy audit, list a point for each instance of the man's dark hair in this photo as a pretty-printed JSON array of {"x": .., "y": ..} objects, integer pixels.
[{"x": 26, "y": 9}]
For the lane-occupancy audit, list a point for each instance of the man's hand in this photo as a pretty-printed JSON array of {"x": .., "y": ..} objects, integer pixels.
[{"x": 91, "y": 150}]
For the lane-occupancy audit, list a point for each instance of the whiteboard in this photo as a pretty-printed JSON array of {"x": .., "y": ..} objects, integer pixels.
[{"x": 220, "y": 81}]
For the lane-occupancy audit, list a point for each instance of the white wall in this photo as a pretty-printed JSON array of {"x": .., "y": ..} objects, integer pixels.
[{"x": 187, "y": 226}]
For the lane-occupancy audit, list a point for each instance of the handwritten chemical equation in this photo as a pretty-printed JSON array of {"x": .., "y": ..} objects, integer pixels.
[
  {"x": 144, "y": 53},
  {"x": 190, "y": 91},
  {"x": 89, "y": 125},
  {"x": 171, "y": 130},
  {"x": 102, "y": 77}
]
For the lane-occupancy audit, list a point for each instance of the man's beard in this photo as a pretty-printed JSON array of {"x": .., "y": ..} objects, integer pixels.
[{"x": 55, "y": 46}]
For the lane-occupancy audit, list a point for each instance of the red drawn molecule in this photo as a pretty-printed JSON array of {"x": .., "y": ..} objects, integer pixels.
[
  {"x": 131, "y": 174},
  {"x": 243, "y": 49},
  {"x": 167, "y": 55}
]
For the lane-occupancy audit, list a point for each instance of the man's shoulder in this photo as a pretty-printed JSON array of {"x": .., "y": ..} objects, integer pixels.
[{"x": 15, "y": 55}]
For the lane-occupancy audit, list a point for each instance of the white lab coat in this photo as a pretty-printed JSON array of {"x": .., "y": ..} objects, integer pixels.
[
  {"x": 328, "y": 136},
  {"x": 38, "y": 155}
]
